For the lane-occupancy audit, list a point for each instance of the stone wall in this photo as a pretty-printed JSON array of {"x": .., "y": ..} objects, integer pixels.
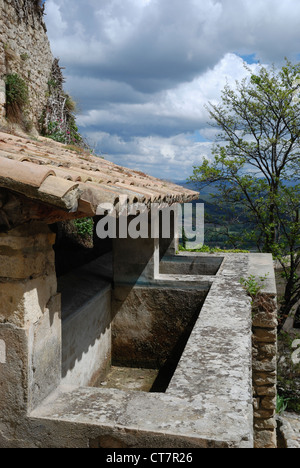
[
  {"x": 264, "y": 369},
  {"x": 264, "y": 347},
  {"x": 25, "y": 50},
  {"x": 30, "y": 329}
]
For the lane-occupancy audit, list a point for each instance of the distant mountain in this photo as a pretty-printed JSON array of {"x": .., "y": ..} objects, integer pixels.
[
  {"x": 204, "y": 192},
  {"x": 214, "y": 215},
  {"x": 211, "y": 188},
  {"x": 183, "y": 183},
  {"x": 211, "y": 209}
]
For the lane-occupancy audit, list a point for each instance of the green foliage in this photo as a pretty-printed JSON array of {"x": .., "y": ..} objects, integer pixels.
[
  {"x": 211, "y": 250},
  {"x": 73, "y": 135},
  {"x": 253, "y": 285},
  {"x": 24, "y": 57},
  {"x": 52, "y": 83},
  {"x": 281, "y": 404},
  {"x": 16, "y": 91},
  {"x": 70, "y": 104},
  {"x": 66, "y": 133},
  {"x": 84, "y": 227},
  {"x": 55, "y": 132},
  {"x": 184, "y": 238},
  {"x": 16, "y": 100},
  {"x": 58, "y": 120},
  {"x": 255, "y": 170}
]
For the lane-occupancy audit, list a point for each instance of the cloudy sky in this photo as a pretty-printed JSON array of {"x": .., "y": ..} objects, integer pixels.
[{"x": 141, "y": 71}]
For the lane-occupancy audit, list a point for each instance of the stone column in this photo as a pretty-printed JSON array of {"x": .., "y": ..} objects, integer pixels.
[
  {"x": 169, "y": 241},
  {"x": 136, "y": 260},
  {"x": 265, "y": 370},
  {"x": 30, "y": 328}
]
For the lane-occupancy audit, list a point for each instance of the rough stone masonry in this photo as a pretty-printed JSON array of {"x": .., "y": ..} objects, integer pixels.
[{"x": 25, "y": 50}]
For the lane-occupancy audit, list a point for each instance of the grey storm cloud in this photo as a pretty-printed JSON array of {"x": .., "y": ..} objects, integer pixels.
[
  {"x": 142, "y": 70},
  {"x": 149, "y": 45},
  {"x": 155, "y": 44}
]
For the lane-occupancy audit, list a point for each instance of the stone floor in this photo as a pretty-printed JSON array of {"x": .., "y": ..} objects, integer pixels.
[
  {"x": 125, "y": 378},
  {"x": 289, "y": 428}
]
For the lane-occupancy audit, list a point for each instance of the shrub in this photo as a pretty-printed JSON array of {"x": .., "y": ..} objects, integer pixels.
[
  {"x": 211, "y": 250},
  {"x": 84, "y": 227},
  {"x": 65, "y": 132},
  {"x": 16, "y": 97},
  {"x": 70, "y": 104},
  {"x": 253, "y": 285}
]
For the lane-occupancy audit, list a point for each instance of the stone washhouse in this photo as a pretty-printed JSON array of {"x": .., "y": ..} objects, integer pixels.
[{"x": 137, "y": 305}]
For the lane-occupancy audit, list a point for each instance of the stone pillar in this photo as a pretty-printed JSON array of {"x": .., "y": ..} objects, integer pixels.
[
  {"x": 136, "y": 260},
  {"x": 169, "y": 241},
  {"x": 265, "y": 370},
  {"x": 30, "y": 328}
]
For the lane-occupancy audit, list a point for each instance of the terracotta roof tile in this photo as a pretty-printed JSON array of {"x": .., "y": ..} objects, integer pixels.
[
  {"x": 24, "y": 173},
  {"x": 75, "y": 180}
]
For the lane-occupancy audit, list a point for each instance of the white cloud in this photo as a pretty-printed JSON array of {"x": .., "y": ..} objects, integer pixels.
[
  {"x": 54, "y": 18},
  {"x": 143, "y": 70},
  {"x": 167, "y": 158},
  {"x": 169, "y": 112}
]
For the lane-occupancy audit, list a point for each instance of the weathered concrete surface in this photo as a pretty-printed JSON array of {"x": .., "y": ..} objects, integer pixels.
[
  {"x": 187, "y": 265},
  {"x": 138, "y": 420},
  {"x": 129, "y": 378},
  {"x": 260, "y": 265},
  {"x": 150, "y": 323},
  {"x": 86, "y": 340},
  {"x": 86, "y": 324},
  {"x": 169, "y": 238},
  {"x": 23, "y": 301},
  {"x": 215, "y": 369},
  {"x": 289, "y": 428},
  {"x": 136, "y": 261},
  {"x": 44, "y": 343},
  {"x": 208, "y": 402},
  {"x": 218, "y": 350}
]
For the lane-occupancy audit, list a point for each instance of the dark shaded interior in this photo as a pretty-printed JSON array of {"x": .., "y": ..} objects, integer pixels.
[
  {"x": 193, "y": 265},
  {"x": 74, "y": 249}
]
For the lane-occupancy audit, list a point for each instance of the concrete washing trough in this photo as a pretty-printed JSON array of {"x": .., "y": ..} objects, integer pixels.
[
  {"x": 139, "y": 346},
  {"x": 136, "y": 310},
  {"x": 207, "y": 401}
]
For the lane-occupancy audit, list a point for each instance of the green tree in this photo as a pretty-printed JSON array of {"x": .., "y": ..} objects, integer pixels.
[{"x": 255, "y": 166}]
